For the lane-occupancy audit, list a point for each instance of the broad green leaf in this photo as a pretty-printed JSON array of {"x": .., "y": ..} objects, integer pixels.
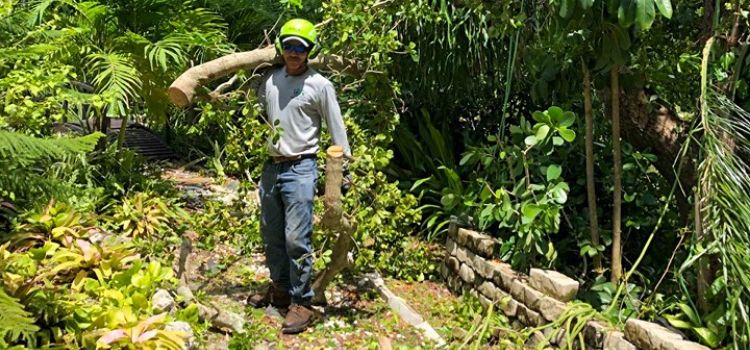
[
  {"x": 708, "y": 336},
  {"x": 567, "y": 120},
  {"x": 629, "y": 197},
  {"x": 557, "y": 141},
  {"x": 678, "y": 323},
  {"x": 530, "y": 211},
  {"x": 485, "y": 194},
  {"x": 487, "y": 212},
  {"x": 665, "y": 7},
  {"x": 419, "y": 183},
  {"x": 556, "y": 113},
  {"x": 530, "y": 140},
  {"x": 567, "y": 134},
  {"x": 542, "y": 132},
  {"x": 690, "y": 313},
  {"x": 645, "y": 13},
  {"x": 588, "y": 250},
  {"x": 626, "y": 13},
  {"x": 586, "y": 4},
  {"x": 539, "y": 116},
  {"x": 553, "y": 172},
  {"x": 560, "y": 192}
]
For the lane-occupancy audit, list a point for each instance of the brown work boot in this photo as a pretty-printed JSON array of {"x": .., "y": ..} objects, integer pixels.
[
  {"x": 297, "y": 319},
  {"x": 276, "y": 296}
]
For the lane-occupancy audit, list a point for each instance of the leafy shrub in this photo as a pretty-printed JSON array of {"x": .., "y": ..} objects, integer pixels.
[
  {"x": 78, "y": 288},
  {"x": 145, "y": 215},
  {"x": 516, "y": 190}
]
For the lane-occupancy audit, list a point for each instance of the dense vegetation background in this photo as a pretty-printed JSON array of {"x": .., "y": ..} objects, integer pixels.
[{"x": 607, "y": 139}]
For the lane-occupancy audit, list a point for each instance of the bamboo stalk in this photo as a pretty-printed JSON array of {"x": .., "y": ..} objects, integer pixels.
[
  {"x": 590, "y": 185},
  {"x": 616, "y": 150}
]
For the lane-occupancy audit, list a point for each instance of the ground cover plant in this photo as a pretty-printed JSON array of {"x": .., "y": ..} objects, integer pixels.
[{"x": 605, "y": 139}]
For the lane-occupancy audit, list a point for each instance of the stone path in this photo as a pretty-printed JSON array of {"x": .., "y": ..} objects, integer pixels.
[{"x": 355, "y": 318}]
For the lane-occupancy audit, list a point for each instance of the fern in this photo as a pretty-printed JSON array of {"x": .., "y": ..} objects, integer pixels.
[
  {"x": 24, "y": 150},
  {"x": 15, "y": 322}
]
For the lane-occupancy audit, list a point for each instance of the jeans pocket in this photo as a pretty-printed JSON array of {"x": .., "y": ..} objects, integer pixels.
[{"x": 304, "y": 167}]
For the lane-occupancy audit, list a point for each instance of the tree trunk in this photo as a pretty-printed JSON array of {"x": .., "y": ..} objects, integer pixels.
[
  {"x": 182, "y": 91},
  {"x": 334, "y": 220},
  {"x": 616, "y": 207},
  {"x": 590, "y": 188},
  {"x": 653, "y": 127}
]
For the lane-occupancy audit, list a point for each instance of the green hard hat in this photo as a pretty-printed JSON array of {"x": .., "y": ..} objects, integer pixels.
[{"x": 301, "y": 30}]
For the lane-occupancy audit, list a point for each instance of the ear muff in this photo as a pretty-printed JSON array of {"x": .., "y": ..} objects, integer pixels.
[{"x": 277, "y": 43}]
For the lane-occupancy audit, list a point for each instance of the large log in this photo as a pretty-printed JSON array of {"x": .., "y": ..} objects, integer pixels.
[
  {"x": 647, "y": 125},
  {"x": 334, "y": 220},
  {"x": 182, "y": 91}
]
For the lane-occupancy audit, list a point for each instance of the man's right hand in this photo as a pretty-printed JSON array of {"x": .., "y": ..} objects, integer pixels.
[{"x": 346, "y": 182}]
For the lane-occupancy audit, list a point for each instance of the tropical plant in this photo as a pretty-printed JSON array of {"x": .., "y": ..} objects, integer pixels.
[
  {"x": 520, "y": 198},
  {"x": 725, "y": 214},
  {"x": 26, "y": 162},
  {"x": 15, "y": 322},
  {"x": 130, "y": 60},
  {"x": 145, "y": 215}
]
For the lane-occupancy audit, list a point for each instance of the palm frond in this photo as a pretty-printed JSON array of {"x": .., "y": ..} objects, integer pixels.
[
  {"x": 167, "y": 52},
  {"x": 725, "y": 188},
  {"x": 25, "y": 149},
  {"x": 116, "y": 78}
]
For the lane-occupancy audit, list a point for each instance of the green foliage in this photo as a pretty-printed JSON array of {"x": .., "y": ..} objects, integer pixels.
[
  {"x": 711, "y": 329},
  {"x": 726, "y": 221},
  {"x": 129, "y": 62},
  {"x": 25, "y": 150},
  {"x": 145, "y": 215},
  {"x": 237, "y": 225},
  {"x": 27, "y": 162},
  {"x": 520, "y": 197},
  {"x": 15, "y": 322},
  {"x": 82, "y": 291}
]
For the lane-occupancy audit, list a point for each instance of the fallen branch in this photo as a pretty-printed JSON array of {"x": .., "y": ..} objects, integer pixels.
[
  {"x": 219, "y": 318},
  {"x": 182, "y": 91},
  {"x": 334, "y": 220},
  {"x": 223, "y": 87},
  {"x": 406, "y": 313}
]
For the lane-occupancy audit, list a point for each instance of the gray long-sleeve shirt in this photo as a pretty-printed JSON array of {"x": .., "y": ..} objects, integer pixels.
[{"x": 297, "y": 104}]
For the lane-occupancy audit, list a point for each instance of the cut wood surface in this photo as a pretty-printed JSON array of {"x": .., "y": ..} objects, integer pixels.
[{"x": 182, "y": 92}]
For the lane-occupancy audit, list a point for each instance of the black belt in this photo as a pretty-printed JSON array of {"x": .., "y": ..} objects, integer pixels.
[{"x": 282, "y": 159}]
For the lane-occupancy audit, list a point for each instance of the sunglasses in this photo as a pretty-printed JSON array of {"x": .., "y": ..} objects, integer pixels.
[{"x": 295, "y": 48}]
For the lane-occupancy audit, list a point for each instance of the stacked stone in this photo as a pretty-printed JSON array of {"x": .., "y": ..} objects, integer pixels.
[{"x": 539, "y": 298}]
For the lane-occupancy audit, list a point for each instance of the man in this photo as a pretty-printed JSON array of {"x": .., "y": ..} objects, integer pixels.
[{"x": 296, "y": 98}]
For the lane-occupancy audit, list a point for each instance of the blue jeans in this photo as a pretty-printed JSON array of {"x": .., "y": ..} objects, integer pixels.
[{"x": 286, "y": 210}]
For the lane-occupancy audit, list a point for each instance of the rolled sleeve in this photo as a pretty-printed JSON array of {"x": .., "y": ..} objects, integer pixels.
[{"x": 329, "y": 108}]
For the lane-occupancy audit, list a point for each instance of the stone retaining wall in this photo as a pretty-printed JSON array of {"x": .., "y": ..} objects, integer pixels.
[{"x": 540, "y": 297}]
